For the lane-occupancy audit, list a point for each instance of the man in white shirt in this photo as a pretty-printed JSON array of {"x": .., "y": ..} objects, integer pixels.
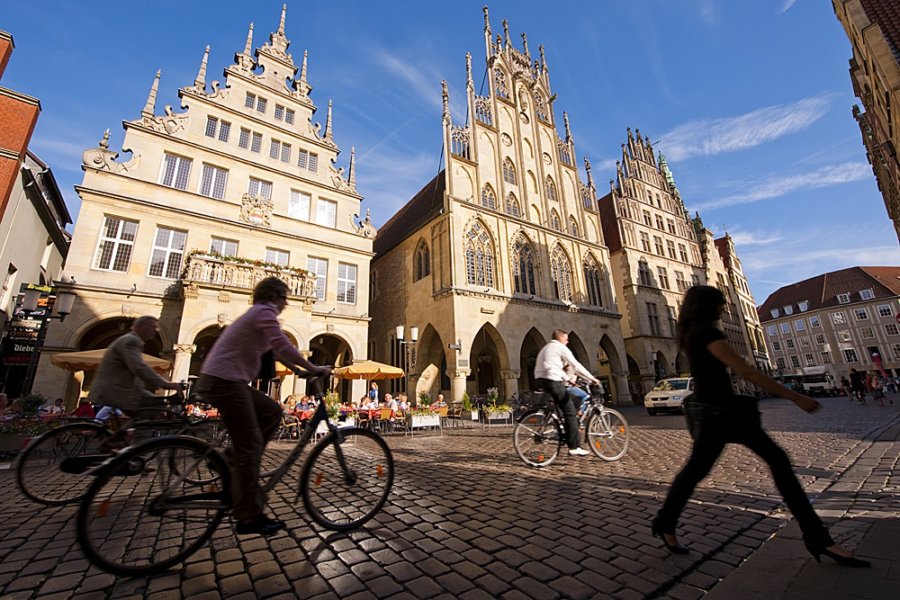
[{"x": 550, "y": 373}]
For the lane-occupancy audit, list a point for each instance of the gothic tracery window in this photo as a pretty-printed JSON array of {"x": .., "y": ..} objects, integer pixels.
[
  {"x": 487, "y": 197},
  {"x": 479, "y": 256},
  {"x": 561, "y": 273},
  {"x": 509, "y": 172},
  {"x": 421, "y": 261},
  {"x": 550, "y": 188},
  {"x": 555, "y": 223},
  {"x": 573, "y": 227},
  {"x": 593, "y": 281},
  {"x": 512, "y": 205},
  {"x": 523, "y": 265}
]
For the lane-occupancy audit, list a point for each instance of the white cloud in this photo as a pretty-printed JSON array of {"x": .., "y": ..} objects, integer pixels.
[
  {"x": 389, "y": 180},
  {"x": 748, "y": 238},
  {"x": 424, "y": 84},
  {"x": 729, "y": 134},
  {"x": 787, "y": 6},
  {"x": 779, "y": 186}
]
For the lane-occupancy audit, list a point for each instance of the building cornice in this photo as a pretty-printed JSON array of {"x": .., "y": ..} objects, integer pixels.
[{"x": 20, "y": 97}]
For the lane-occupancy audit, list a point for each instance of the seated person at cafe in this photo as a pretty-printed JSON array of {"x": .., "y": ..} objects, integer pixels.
[
  {"x": 402, "y": 403},
  {"x": 391, "y": 403},
  {"x": 84, "y": 410},
  {"x": 56, "y": 409},
  {"x": 359, "y": 403},
  {"x": 372, "y": 404},
  {"x": 438, "y": 402}
]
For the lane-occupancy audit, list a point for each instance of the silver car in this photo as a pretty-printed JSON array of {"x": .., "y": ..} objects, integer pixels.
[{"x": 669, "y": 395}]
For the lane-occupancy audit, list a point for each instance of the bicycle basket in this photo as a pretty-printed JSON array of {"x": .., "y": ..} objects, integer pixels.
[{"x": 535, "y": 399}]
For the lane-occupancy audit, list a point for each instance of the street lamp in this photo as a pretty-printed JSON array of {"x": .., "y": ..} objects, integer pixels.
[
  {"x": 64, "y": 302},
  {"x": 410, "y": 346}
]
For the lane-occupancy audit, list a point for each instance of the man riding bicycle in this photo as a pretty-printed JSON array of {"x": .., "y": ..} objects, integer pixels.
[
  {"x": 250, "y": 416},
  {"x": 550, "y": 375}
]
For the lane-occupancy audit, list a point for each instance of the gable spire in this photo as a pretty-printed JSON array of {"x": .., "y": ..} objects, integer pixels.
[
  {"x": 200, "y": 81},
  {"x": 245, "y": 59},
  {"x": 566, "y": 123},
  {"x": 329, "y": 134},
  {"x": 150, "y": 106},
  {"x": 587, "y": 169},
  {"x": 525, "y": 45},
  {"x": 445, "y": 100},
  {"x": 470, "y": 85},
  {"x": 351, "y": 176},
  {"x": 505, "y": 32},
  {"x": 281, "y": 23},
  {"x": 543, "y": 59}
]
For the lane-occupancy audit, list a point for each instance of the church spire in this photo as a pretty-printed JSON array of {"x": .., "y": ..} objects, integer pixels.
[
  {"x": 329, "y": 134},
  {"x": 470, "y": 85},
  {"x": 445, "y": 99},
  {"x": 351, "y": 176},
  {"x": 281, "y": 23},
  {"x": 543, "y": 59},
  {"x": 566, "y": 123},
  {"x": 587, "y": 169},
  {"x": 245, "y": 59},
  {"x": 150, "y": 106},
  {"x": 200, "y": 81},
  {"x": 248, "y": 46},
  {"x": 505, "y": 32},
  {"x": 525, "y": 45},
  {"x": 487, "y": 32}
]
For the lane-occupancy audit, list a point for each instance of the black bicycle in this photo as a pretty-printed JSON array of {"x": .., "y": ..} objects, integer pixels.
[
  {"x": 154, "y": 505},
  {"x": 538, "y": 435}
]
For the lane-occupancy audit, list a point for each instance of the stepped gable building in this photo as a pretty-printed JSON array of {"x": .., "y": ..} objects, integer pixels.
[
  {"x": 33, "y": 218},
  {"x": 238, "y": 185},
  {"x": 836, "y": 321},
  {"x": 657, "y": 253},
  {"x": 873, "y": 27},
  {"x": 502, "y": 247}
]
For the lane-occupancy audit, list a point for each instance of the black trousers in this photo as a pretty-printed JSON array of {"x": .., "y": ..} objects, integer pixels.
[
  {"x": 557, "y": 389},
  {"x": 252, "y": 418},
  {"x": 712, "y": 431}
]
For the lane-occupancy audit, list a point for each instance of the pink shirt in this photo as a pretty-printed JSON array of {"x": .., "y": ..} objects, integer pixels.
[{"x": 236, "y": 355}]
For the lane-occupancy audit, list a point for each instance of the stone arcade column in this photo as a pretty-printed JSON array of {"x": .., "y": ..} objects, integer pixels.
[
  {"x": 623, "y": 396},
  {"x": 181, "y": 367},
  {"x": 510, "y": 382},
  {"x": 458, "y": 385},
  {"x": 299, "y": 384}
]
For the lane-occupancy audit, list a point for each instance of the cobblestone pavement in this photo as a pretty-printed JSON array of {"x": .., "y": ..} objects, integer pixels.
[{"x": 467, "y": 520}]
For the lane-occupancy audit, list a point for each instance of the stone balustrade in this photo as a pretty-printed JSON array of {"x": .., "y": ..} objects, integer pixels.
[{"x": 203, "y": 270}]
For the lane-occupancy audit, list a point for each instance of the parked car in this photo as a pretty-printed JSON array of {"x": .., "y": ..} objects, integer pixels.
[{"x": 668, "y": 395}]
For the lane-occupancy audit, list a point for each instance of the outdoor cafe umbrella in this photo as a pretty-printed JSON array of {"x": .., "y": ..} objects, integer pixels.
[
  {"x": 368, "y": 369},
  {"x": 89, "y": 360}
]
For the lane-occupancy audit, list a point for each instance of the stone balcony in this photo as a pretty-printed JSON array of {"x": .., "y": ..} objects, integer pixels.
[{"x": 202, "y": 271}]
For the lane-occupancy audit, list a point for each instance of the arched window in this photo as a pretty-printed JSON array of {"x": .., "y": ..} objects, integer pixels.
[
  {"x": 512, "y": 205},
  {"x": 586, "y": 199},
  {"x": 421, "y": 262},
  {"x": 573, "y": 227},
  {"x": 523, "y": 266},
  {"x": 487, "y": 197},
  {"x": 555, "y": 223},
  {"x": 509, "y": 172},
  {"x": 479, "y": 256},
  {"x": 593, "y": 281},
  {"x": 550, "y": 187},
  {"x": 561, "y": 272}
]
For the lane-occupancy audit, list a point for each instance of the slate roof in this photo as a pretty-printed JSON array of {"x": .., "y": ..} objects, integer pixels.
[
  {"x": 821, "y": 291},
  {"x": 886, "y": 14},
  {"x": 424, "y": 206}
]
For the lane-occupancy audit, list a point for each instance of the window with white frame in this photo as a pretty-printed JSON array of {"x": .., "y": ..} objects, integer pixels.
[
  {"x": 657, "y": 243},
  {"x": 289, "y": 116},
  {"x": 844, "y": 335},
  {"x": 223, "y": 247},
  {"x": 261, "y": 105},
  {"x": 789, "y": 344},
  {"x": 810, "y": 359},
  {"x": 644, "y": 273},
  {"x": 775, "y": 313},
  {"x": 788, "y": 310},
  {"x": 838, "y": 318},
  {"x": 645, "y": 241},
  {"x": 298, "y": 205},
  {"x": 250, "y": 100},
  {"x": 216, "y": 128},
  {"x": 785, "y": 328},
  {"x": 175, "y": 171},
  {"x": 319, "y": 268},
  {"x": 868, "y": 294},
  {"x": 212, "y": 181},
  {"x": 803, "y": 305},
  {"x": 779, "y": 362},
  {"x": 284, "y": 114},
  {"x": 308, "y": 160},
  {"x": 326, "y": 213},
  {"x": 843, "y": 298},
  {"x": 892, "y": 329},
  {"x": 167, "y": 254},
  {"x": 885, "y": 310},
  {"x": 260, "y": 188},
  {"x": 867, "y": 333},
  {"x": 776, "y": 346},
  {"x": 653, "y": 318},
  {"x": 826, "y": 357},
  {"x": 680, "y": 281},
  {"x": 280, "y": 151},
  {"x": 799, "y": 325},
  {"x": 850, "y": 355},
  {"x": 346, "y": 283},
  {"x": 663, "y": 277},
  {"x": 820, "y": 339},
  {"x": 771, "y": 330},
  {"x": 895, "y": 350},
  {"x": 682, "y": 253},
  {"x": 256, "y": 142},
  {"x": 278, "y": 257},
  {"x": 244, "y": 138},
  {"x": 814, "y": 322},
  {"x": 795, "y": 361},
  {"x": 116, "y": 244},
  {"x": 861, "y": 314},
  {"x": 804, "y": 342},
  {"x": 670, "y": 248}
]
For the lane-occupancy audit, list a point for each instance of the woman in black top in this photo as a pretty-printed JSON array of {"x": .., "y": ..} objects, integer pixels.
[{"x": 717, "y": 417}]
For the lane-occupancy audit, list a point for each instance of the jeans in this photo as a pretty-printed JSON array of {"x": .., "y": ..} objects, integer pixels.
[
  {"x": 252, "y": 418},
  {"x": 712, "y": 431},
  {"x": 579, "y": 396},
  {"x": 557, "y": 390}
]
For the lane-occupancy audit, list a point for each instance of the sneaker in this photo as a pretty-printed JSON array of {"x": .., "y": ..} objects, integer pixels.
[
  {"x": 261, "y": 525},
  {"x": 578, "y": 452}
]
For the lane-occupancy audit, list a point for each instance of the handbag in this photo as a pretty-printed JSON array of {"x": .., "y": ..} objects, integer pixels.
[{"x": 733, "y": 417}]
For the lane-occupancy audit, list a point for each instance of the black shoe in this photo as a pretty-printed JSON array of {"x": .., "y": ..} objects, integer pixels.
[
  {"x": 847, "y": 561},
  {"x": 673, "y": 548},
  {"x": 260, "y": 524}
]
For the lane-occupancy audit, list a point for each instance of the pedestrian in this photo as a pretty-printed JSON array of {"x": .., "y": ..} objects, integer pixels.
[
  {"x": 373, "y": 392},
  {"x": 858, "y": 385},
  {"x": 878, "y": 390},
  {"x": 845, "y": 387},
  {"x": 550, "y": 376},
  {"x": 717, "y": 417}
]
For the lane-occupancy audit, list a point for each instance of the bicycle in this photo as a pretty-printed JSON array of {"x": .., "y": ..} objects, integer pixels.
[
  {"x": 538, "y": 435},
  {"x": 178, "y": 504},
  {"x": 51, "y": 469}
]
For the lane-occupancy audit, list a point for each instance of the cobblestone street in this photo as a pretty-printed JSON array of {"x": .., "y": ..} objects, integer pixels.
[{"x": 467, "y": 520}]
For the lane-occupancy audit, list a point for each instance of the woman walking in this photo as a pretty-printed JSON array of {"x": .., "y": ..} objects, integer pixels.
[{"x": 717, "y": 417}]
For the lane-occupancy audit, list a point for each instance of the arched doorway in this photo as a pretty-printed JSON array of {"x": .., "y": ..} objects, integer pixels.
[
  {"x": 578, "y": 350},
  {"x": 531, "y": 345},
  {"x": 430, "y": 364},
  {"x": 105, "y": 333},
  {"x": 204, "y": 342},
  {"x": 329, "y": 349},
  {"x": 635, "y": 386},
  {"x": 661, "y": 366},
  {"x": 486, "y": 358},
  {"x": 681, "y": 364},
  {"x": 610, "y": 364}
]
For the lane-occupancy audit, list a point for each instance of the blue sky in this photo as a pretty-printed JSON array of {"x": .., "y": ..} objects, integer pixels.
[{"x": 750, "y": 101}]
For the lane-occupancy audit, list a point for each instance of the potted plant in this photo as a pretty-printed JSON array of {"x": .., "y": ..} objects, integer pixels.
[
  {"x": 495, "y": 411},
  {"x": 468, "y": 412},
  {"x": 422, "y": 416},
  {"x": 17, "y": 432}
]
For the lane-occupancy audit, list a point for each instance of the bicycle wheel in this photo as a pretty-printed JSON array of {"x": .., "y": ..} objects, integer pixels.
[
  {"x": 607, "y": 434},
  {"x": 51, "y": 468},
  {"x": 140, "y": 516},
  {"x": 537, "y": 438},
  {"x": 347, "y": 478}
]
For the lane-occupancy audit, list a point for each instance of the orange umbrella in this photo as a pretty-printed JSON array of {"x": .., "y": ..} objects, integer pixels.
[
  {"x": 89, "y": 360},
  {"x": 368, "y": 369}
]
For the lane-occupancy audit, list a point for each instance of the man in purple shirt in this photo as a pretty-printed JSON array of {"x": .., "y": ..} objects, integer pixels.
[{"x": 250, "y": 416}]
